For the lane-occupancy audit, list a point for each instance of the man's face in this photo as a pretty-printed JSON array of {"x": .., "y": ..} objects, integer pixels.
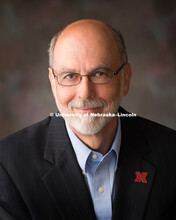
[{"x": 83, "y": 49}]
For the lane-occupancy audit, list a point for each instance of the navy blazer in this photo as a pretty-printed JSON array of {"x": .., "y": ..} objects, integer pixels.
[{"x": 40, "y": 177}]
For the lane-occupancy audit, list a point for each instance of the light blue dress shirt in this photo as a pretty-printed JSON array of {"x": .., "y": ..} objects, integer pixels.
[{"x": 99, "y": 172}]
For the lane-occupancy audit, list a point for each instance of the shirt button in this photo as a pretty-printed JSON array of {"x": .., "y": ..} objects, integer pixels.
[
  {"x": 94, "y": 156},
  {"x": 83, "y": 172},
  {"x": 101, "y": 189}
]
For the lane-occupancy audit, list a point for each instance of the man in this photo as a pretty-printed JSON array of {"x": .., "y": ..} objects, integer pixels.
[{"x": 91, "y": 164}]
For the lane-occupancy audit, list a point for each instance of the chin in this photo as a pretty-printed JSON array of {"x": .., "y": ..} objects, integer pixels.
[{"x": 89, "y": 125}]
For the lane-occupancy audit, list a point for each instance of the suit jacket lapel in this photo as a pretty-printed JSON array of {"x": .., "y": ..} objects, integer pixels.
[
  {"x": 130, "y": 196},
  {"x": 65, "y": 181}
]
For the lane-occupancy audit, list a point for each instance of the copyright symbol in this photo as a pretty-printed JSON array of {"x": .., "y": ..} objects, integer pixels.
[{"x": 51, "y": 114}]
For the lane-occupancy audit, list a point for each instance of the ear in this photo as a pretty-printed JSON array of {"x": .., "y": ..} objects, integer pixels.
[
  {"x": 127, "y": 77},
  {"x": 52, "y": 81}
]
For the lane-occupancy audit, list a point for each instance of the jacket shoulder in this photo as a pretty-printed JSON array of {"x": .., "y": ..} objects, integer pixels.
[
  {"x": 155, "y": 129},
  {"x": 37, "y": 126},
  {"x": 159, "y": 137},
  {"x": 20, "y": 141},
  {"x": 139, "y": 123}
]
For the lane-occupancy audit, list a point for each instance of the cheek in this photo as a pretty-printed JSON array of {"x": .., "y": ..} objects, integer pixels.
[
  {"x": 64, "y": 95},
  {"x": 108, "y": 92},
  {"x": 111, "y": 92}
]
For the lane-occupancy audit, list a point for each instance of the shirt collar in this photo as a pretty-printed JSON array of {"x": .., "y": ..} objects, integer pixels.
[{"x": 82, "y": 151}]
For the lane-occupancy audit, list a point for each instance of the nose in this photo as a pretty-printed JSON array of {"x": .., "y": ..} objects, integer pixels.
[{"x": 86, "y": 89}]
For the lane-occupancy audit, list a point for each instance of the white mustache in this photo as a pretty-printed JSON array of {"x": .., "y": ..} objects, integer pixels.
[{"x": 87, "y": 103}]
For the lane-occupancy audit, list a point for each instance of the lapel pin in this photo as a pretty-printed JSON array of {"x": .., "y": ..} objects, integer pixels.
[{"x": 141, "y": 177}]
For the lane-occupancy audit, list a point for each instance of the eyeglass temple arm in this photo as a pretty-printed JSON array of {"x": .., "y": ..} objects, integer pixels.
[
  {"x": 119, "y": 69},
  {"x": 53, "y": 73}
]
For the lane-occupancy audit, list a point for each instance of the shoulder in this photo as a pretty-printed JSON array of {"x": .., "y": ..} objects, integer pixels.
[
  {"x": 145, "y": 125},
  {"x": 27, "y": 131},
  {"x": 19, "y": 142},
  {"x": 160, "y": 139}
]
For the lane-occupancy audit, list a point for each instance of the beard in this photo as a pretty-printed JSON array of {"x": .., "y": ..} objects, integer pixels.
[{"x": 90, "y": 125}]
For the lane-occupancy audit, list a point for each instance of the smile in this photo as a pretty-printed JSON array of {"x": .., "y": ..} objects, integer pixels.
[{"x": 84, "y": 110}]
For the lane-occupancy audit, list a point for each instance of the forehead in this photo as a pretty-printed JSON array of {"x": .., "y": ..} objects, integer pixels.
[{"x": 87, "y": 44}]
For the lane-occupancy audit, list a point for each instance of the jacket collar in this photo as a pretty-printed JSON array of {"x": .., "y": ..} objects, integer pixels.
[{"x": 57, "y": 140}]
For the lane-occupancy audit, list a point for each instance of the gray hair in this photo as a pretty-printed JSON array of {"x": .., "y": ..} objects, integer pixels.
[
  {"x": 120, "y": 43},
  {"x": 117, "y": 34}
]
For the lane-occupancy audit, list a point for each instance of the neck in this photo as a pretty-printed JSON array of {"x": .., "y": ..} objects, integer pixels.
[{"x": 102, "y": 141}]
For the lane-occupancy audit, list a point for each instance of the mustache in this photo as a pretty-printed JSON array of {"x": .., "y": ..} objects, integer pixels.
[{"x": 98, "y": 103}]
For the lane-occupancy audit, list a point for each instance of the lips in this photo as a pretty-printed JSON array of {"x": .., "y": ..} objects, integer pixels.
[
  {"x": 87, "y": 105},
  {"x": 84, "y": 110}
]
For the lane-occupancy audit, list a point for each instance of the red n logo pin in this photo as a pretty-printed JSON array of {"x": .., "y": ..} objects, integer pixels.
[{"x": 141, "y": 177}]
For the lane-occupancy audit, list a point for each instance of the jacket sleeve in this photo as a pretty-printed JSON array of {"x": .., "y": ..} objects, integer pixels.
[{"x": 12, "y": 206}]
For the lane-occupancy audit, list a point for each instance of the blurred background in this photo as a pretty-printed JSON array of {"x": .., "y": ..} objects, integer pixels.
[{"x": 26, "y": 28}]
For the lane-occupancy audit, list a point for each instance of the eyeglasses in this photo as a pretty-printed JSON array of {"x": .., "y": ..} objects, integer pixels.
[{"x": 96, "y": 77}]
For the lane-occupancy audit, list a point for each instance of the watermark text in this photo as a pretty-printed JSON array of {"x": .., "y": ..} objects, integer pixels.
[{"x": 57, "y": 114}]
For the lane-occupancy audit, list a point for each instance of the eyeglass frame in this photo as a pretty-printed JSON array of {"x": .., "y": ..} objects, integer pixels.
[{"x": 88, "y": 75}]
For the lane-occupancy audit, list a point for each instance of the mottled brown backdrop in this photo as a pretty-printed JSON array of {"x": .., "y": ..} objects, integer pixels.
[{"x": 26, "y": 27}]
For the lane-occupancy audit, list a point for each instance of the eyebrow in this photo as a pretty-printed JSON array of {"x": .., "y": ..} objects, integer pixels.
[{"x": 99, "y": 67}]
